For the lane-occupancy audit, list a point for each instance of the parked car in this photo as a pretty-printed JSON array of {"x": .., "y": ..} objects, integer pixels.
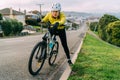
[{"x": 28, "y": 29}]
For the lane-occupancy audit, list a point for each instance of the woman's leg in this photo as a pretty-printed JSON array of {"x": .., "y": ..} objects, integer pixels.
[{"x": 62, "y": 35}]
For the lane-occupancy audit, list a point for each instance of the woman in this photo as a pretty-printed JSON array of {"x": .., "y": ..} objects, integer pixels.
[{"x": 57, "y": 18}]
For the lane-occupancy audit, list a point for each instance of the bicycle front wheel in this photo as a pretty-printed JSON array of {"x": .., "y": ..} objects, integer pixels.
[
  {"x": 53, "y": 54},
  {"x": 37, "y": 58}
]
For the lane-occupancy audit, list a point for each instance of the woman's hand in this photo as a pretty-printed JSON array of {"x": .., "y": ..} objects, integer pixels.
[{"x": 55, "y": 26}]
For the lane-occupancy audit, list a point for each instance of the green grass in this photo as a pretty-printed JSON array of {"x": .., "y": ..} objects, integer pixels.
[
  {"x": 97, "y": 60},
  {"x": 36, "y": 26}
]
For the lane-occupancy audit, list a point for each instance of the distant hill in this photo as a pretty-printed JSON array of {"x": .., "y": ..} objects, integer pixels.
[
  {"x": 116, "y": 14},
  {"x": 78, "y": 14},
  {"x": 84, "y": 14}
]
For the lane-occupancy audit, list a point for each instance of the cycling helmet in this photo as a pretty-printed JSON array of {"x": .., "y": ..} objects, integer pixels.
[{"x": 56, "y": 7}]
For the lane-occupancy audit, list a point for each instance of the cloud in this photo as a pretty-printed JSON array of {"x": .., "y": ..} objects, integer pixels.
[{"x": 67, "y": 5}]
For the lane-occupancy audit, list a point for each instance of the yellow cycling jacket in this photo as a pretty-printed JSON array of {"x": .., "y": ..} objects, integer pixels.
[{"x": 52, "y": 20}]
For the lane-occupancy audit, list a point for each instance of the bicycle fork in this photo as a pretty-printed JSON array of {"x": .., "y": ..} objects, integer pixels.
[{"x": 43, "y": 51}]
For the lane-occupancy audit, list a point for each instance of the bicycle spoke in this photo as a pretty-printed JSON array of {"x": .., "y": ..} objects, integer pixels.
[
  {"x": 54, "y": 53},
  {"x": 37, "y": 59}
]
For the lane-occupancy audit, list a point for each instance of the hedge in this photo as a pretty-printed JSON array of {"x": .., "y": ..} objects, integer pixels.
[
  {"x": 6, "y": 27},
  {"x": 17, "y": 27},
  {"x": 11, "y": 27}
]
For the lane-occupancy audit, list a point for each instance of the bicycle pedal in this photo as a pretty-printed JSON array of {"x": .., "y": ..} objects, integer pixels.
[{"x": 38, "y": 64}]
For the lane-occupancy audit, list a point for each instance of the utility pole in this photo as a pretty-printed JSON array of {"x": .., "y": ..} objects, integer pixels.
[
  {"x": 41, "y": 15},
  {"x": 40, "y": 9}
]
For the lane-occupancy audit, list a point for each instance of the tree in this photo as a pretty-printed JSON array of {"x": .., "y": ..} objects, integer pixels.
[
  {"x": 94, "y": 26},
  {"x": 113, "y": 33},
  {"x": 103, "y": 22}
]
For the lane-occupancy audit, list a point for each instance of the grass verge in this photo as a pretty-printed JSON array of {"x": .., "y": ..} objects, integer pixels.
[{"x": 97, "y": 60}]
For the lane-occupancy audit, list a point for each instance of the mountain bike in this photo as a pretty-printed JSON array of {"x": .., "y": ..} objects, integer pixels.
[{"x": 45, "y": 49}]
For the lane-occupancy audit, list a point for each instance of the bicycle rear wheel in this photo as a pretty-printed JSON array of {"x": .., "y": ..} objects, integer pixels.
[
  {"x": 37, "y": 58},
  {"x": 53, "y": 54}
]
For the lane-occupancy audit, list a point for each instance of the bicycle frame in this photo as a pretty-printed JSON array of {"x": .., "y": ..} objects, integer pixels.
[{"x": 49, "y": 39}]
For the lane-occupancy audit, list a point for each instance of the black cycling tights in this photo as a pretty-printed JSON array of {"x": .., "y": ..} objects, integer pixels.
[{"x": 62, "y": 35}]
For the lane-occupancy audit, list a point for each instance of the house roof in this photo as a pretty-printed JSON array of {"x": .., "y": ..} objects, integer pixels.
[{"x": 6, "y": 11}]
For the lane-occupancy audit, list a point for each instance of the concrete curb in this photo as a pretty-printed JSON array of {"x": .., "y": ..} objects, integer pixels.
[
  {"x": 64, "y": 69},
  {"x": 68, "y": 70}
]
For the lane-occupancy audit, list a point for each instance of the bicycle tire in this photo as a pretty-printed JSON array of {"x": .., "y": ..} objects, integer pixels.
[
  {"x": 53, "y": 54},
  {"x": 38, "y": 47}
]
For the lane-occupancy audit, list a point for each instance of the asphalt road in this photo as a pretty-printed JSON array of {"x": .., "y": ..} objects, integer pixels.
[{"x": 15, "y": 52}]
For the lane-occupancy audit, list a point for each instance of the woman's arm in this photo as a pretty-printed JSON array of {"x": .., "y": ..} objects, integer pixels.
[{"x": 63, "y": 19}]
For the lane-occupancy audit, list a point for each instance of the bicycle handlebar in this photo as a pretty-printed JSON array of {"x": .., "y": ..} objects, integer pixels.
[{"x": 49, "y": 24}]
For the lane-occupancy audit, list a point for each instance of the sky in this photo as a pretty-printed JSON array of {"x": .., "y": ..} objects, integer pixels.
[{"x": 93, "y": 6}]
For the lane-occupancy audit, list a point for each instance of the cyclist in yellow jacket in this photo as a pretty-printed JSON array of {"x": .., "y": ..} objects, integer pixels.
[{"x": 57, "y": 18}]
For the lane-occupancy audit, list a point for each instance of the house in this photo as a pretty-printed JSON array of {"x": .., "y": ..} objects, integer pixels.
[{"x": 13, "y": 14}]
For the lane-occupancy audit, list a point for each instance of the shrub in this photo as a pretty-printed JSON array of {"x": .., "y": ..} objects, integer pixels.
[
  {"x": 103, "y": 22},
  {"x": 113, "y": 33},
  {"x": 94, "y": 26},
  {"x": 20, "y": 24},
  {"x": 6, "y": 27},
  {"x": 16, "y": 27},
  {"x": 10, "y": 27},
  {"x": 1, "y": 17}
]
